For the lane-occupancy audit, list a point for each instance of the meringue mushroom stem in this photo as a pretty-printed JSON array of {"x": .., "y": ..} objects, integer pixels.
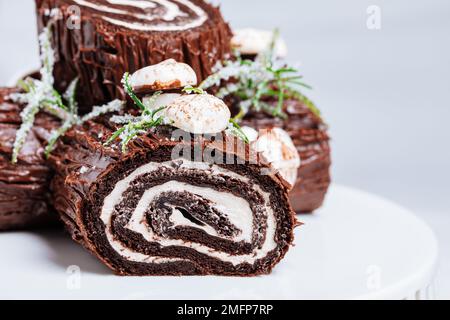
[{"x": 149, "y": 103}]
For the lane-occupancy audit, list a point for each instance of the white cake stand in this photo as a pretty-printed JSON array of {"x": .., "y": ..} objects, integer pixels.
[{"x": 358, "y": 246}]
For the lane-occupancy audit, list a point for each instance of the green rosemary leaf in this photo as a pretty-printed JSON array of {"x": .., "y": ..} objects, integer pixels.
[
  {"x": 115, "y": 136},
  {"x": 47, "y": 55},
  {"x": 130, "y": 92},
  {"x": 70, "y": 96},
  {"x": 56, "y": 135},
  {"x": 191, "y": 90},
  {"x": 237, "y": 131},
  {"x": 240, "y": 115},
  {"x": 155, "y": 112},
  {"x": 311, "y": 105},
  {"x": 24, "y": 85},
  {"x": 268, "y": 108},
  {"x": 272, "y": 93},
  {"x": 113, "y": 106},
  {"x": 285, "y": 70},
  {"x": 293, "y": 78},
  {"x": 299, "y": 83},
  {"x": 269, "y": 56},
  {"x": 132, "y": 133},
  {"x": 261, "y": 88},
  {"x": 280, "y": 103},
  {"x": 28, "y": 115}
]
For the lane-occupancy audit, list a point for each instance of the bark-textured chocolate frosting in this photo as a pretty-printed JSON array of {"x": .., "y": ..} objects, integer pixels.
[
  {"x": 310, "y": 136},
  {"x": 24, "y": 187},
  {"x": 116, "y": 36},
  {"x": 149, "y": 212}
]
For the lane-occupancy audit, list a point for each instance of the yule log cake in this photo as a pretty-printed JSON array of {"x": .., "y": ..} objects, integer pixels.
[
  {"x": 173, "y": 190},
  {"x": 24, "y": 186},
  {"x": 99, "y": 40}
]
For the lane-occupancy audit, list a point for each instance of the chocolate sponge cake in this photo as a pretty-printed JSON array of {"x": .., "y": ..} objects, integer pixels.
[
  {"x": 24, "y": 187},
  {"x": 151, "y": 211},
  {"x": 99, "y": 40}
]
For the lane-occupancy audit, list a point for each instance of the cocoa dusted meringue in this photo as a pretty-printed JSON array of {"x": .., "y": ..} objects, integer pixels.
[
  {"x": 278, "y": 148},
  {"x": 198, "y": 114},
  {"x": 251, "y": 42},
  {"x": 165, "y": 76}
]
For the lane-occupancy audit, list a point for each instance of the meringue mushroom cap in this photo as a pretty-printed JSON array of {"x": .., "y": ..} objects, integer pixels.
[
  {"x": 278, "y": 148},
  {"x": 254, "y": 41},
  {"x": 198, "y": 114},
  {"x": 251, "y": 133},
  {"x": 167, "y": 75}
]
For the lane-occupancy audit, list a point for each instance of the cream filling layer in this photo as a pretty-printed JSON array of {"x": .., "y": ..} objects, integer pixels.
[
  {"x": 170, "y": 13},
  {"x": 237, "y": 210}
]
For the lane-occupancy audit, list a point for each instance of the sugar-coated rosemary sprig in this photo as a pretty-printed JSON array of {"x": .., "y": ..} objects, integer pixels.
[
  {"x": 40, "y": 95},
  {"x": 129, "y": 90},
  {"x": 133, "y": 126},
  {"x": 72, "y": 119},
  {"x": 255, "y": 81}
]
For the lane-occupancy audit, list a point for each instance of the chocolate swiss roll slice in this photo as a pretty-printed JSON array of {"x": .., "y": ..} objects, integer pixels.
[
  {"x": 149, "y": 212},
  {"x": 25, "y": 186},
  {"x": 99, "y": 40}
]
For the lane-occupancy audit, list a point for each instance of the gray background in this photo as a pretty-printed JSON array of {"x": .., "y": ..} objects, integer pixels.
[{"x": 385, "y": 93}]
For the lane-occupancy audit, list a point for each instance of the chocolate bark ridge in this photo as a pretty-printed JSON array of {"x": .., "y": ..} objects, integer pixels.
[
  {"x": 115, "y": 39},
  {"x": 147, "y": 212}
]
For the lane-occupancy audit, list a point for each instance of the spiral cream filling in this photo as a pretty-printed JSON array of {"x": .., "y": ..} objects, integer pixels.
[
  {"x": 236, "y": 209},
  {"x": 166, "y": 10}
]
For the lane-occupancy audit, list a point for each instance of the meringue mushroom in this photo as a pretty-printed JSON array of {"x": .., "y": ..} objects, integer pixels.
[
  {"x": 198, "y": 114},
  {"x": 167, "y": 75},
  {"x": 251, "y": 133},
  {"x": 163, "y": 100},
  {"x": 253, "y": 42},
  {"x": 278, "y": 148}
]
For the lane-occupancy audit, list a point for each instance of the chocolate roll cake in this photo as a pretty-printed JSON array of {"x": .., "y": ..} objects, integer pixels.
[
  {"x": 158, "y": 211},
  {"x": 309, "y": 134},
  {"x": 99, "y": 40},
  {"x": 24, "y": 187}
]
